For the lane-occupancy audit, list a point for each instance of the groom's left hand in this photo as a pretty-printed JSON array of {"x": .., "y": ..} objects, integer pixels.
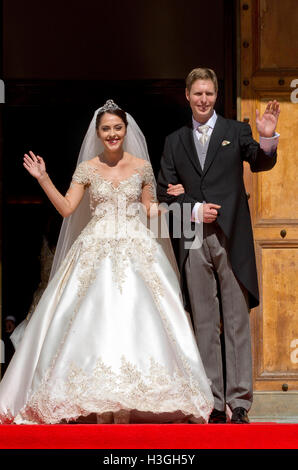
[{"x": 266, "y": 124}]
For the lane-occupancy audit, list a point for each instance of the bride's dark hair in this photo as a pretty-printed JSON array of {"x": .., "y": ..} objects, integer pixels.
[{"x": 117, "y": 111}]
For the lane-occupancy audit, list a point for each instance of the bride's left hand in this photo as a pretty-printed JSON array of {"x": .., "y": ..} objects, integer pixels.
[
  {"x": 266, "y": 124},
  {"x": 175, "y": 189}
]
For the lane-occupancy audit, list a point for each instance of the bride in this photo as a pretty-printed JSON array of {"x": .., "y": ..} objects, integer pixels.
[{"x": 109, "y": 340}]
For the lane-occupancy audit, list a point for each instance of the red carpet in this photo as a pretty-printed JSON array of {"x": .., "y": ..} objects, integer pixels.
[{"x": 150, "y": 436}]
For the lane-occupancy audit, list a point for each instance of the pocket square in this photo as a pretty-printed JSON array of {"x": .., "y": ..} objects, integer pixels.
[{"x": 225, "y": 142}]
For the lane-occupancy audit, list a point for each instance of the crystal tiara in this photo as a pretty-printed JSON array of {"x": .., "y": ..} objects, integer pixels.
[{"x": 109, "y": 106}]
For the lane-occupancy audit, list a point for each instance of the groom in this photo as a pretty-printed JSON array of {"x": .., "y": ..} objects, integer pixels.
[{"x": 219, "y": 278}]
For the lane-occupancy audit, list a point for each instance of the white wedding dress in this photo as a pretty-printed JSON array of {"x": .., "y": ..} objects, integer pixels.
[{"x": 109, "y": 331}]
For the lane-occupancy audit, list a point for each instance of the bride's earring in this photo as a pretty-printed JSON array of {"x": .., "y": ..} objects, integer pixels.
[
  {"x": 105, "y": 418},
  {"x": 122, "y": 417}
]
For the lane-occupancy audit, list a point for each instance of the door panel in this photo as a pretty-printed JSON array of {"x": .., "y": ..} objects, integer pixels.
[
  {"x": 275, "y": 204},
  {"x": 268, "y": 42}
]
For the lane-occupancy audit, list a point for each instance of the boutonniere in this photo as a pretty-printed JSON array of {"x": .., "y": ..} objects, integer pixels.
[{"x": 225, "y": 142}]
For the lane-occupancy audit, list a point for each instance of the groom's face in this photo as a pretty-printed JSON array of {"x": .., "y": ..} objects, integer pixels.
[{"x": 202, "y": 97}]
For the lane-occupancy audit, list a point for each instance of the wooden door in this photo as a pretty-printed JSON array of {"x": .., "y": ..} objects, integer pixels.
[{"x": 268, "y": 69}]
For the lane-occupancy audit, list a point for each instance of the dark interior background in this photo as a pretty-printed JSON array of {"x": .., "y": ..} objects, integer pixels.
[{"x": 61, "y": 61}]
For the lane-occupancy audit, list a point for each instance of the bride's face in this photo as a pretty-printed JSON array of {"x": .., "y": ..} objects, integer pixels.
[{"x": 111, "y": 131}]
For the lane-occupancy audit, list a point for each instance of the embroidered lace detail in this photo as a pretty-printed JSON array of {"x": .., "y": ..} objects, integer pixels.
[
  {"x": 6, "y": 418},
  {"x": 148, "y": 176},
  {"x": 116, "y": 231},
  {"x": 123, "y": 251},
  {"x": 81, "y": 175},
  {"x": 104, "y": 389},
  {"x": 117, "y": 228}
]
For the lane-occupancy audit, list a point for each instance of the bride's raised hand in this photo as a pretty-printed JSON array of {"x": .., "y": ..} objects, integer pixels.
[{"x": 34, "y": 164}]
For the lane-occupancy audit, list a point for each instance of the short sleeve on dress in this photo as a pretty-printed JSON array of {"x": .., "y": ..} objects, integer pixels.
[
  {"x": 148, "y": 174},
  {"x": 81, "y": 174},
  {"x": 148, "y": 179}
]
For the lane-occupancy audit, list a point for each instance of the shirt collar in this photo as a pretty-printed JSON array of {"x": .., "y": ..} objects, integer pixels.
[{"x": 211, "y": 121}]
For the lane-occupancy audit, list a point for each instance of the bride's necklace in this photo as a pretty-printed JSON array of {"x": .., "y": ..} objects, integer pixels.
[{"x": 103, "y": 159}]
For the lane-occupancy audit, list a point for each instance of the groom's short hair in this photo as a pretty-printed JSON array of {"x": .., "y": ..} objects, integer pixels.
[{"x": 201, "y": 73}]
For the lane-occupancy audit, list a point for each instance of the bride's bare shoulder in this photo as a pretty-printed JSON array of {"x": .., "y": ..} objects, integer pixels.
[
  {"x": 137, "y": 161},
  {"x": 93, "y": 161}
]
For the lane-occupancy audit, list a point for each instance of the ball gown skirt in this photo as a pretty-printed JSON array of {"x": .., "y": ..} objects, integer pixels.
[{"x": 110, "y": 332}]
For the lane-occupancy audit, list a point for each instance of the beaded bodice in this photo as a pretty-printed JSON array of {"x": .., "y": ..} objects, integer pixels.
[{"x": 110, "y": 198}]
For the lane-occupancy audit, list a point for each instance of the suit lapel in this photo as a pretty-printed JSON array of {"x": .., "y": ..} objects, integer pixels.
[
  {"x": 190, "y": 148},
  {"x": 215, "y": 141}
]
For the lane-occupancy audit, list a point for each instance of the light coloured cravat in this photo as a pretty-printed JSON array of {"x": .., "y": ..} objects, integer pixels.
[{"x": 204, "y": 131}]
